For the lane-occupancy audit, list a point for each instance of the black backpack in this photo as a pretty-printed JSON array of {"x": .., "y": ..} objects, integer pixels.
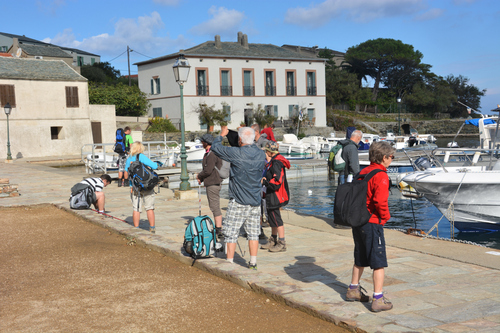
[
  {"x": 120, "y": 147},
  {"x": 350, "y": 201},
  {"x": 143, "y": 178}
]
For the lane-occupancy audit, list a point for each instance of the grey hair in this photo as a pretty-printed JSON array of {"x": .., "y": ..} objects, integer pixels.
[
  {"x": 357, "y": 133},
  {"x": 247, "y": 135}
]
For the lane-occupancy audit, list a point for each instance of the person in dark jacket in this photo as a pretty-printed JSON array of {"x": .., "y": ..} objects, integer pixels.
[
  {"x": 210, "y": 177},
  {"x": 369, "y": 241},
  {"x": 350, "y": 155},
  {"x": 245, "y": 188},
  {"x": 277, "y": 195}
]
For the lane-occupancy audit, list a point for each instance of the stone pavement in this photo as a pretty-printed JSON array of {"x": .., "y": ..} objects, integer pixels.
[{"x": 435, "y": 286}]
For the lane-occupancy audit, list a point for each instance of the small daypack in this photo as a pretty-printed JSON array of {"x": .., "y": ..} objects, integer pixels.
[
  {"x": 120, "y": 147},
  {"x": 350, "y": 201},
  {"x": 143, "y": 178},
  {"x": 224, "y": 170},
  {"x": 82, "y": 196},
  {"x": 200, "y": 240},
  {"x": 335, "y": 160}
]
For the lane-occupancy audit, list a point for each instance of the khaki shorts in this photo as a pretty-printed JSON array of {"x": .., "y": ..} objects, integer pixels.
[{"x": 147, "y": 202}]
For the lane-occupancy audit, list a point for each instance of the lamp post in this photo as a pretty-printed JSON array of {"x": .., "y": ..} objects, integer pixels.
[
  {"x": 399, "y": 115},
  {"x": 7, "y": 108},
  {"x": 181, "y": 73}
]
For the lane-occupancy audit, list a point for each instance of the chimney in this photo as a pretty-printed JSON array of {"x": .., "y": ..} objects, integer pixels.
[
  {"x": 240, "y": 36},
  {"x": 244, "y": 41},
  {"x": 217, "y": 42},
  {"x": 298, "y": 49}
]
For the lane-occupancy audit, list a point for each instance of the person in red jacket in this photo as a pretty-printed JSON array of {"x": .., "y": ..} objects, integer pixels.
[
  {"x": 277, "y": 195},
  {"x": 369, "y": 242},
  {"x": 268, "y": 130}
]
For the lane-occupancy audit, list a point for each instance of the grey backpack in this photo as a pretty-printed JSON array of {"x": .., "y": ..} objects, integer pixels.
[
  {"x": 224, "y": 170},
  {"x": 82, "y": 196}
]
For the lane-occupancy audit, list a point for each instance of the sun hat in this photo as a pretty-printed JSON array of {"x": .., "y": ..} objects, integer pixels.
[{"x": 271, "y": 147}]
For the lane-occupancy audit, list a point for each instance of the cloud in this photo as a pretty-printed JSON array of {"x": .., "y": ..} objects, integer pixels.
[
  {"x": 355, "y": 10},
  {"x": 223, "y": 22},
  {"x": 141, "y": 34},
  {"x": 431, "y": 14}
]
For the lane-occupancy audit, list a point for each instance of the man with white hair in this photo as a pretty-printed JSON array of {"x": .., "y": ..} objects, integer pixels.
[
  {"x": 350, "y": 155},
  {"x": 247, "y": 162}
]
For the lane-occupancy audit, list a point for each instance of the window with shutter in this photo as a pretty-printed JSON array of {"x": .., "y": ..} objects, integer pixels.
[
  {"x": 7, "y": 95},
  {"x": 72, "y": 97}
]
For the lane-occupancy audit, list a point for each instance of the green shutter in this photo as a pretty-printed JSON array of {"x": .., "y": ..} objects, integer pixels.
[
  {"x": 276, "y": 111},
  {"x": 158, "y": 86}
]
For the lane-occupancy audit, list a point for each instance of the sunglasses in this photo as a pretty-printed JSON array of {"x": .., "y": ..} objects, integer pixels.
[{"x": 391, "y": 156}]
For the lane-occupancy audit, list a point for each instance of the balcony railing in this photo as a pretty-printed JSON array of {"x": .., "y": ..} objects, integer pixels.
[
  {"x": 270, "y": 91},
  {"x": 291, "y": 91},
  {"x": 311, "y": 91},
  {"x": 202, "y": 90},
  {"x": 248, "y": 90},
  {"x": 226, "y": 90}
]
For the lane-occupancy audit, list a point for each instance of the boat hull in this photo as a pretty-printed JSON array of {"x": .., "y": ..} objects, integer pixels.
[{"x": 475, "y": 205}]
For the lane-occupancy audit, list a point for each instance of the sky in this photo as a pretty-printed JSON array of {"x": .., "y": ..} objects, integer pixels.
[{"x": 457, "y": 37}]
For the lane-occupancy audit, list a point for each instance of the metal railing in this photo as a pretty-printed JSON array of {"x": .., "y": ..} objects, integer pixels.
[
  {"x": 291, "y": 91},
  {"x": 270, "y": 91},
  {"x": 248, "y": 91},
  {"x": 226, "y": 90},
  {"x": 100, "y": 157},
  {"x": 311, "y": 91},
  {"x": 202, "y": 90}
]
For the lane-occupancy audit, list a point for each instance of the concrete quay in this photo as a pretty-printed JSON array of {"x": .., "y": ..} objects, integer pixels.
[{"x": 435, "y": 286}]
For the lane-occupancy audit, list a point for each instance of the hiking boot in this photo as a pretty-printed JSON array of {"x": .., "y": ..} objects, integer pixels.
[
  {"x": 252, "y": 266},
  {"x": 381, "y": 304},
  {"x": 280, "y": 246},
  {"x": 126, "y": 183},
  {"x": 119, "y": 183},
  {"x": 270, "y": 243},
  {"x": 152, "y": 230},
  {"x": 357, "y": 295}
]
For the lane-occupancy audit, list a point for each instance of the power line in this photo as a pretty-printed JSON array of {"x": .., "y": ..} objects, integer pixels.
[
  {"x": 143, "y": 54},
  {"x": 118, "y": 56}
]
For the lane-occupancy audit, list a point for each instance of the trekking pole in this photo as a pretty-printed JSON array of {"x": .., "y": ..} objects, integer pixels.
[{"x": 199, "y": 199}]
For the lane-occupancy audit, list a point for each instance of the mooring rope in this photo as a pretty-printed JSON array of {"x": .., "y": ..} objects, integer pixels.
[{"x": 450, "y": 207}]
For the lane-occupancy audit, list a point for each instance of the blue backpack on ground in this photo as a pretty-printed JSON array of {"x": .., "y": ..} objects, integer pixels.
[
  {"x": 200, "y": 239},
  {"x": 120, "y": 147}
]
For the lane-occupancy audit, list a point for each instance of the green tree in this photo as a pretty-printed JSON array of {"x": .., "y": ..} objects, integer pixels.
[
  {"x": 128, "y": 101},
  {"x": 161, "y": 125},
  {"x": 210, "y": 116},
  {"x": 432, "y": 97},
  {"x": 101, "y": 72},
  {"x": 377, "y": 57},
  {"x": 261, "y": 116},
  {"x": 466, "y": 93}
]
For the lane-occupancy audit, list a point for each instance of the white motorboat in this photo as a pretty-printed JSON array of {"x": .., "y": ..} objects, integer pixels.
[
  {"x": 292, "y": 145},
  {"x": 194, "y": 151},
  {"x": 330, "y": 142},
  {"x": 467, "y": 196},
  {"x": 314, "y": 142}
]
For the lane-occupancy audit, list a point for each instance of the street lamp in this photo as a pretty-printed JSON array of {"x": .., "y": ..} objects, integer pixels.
[
  {"x": 7, "y": 108},
  {"x": 399, "y": 115},
  {"x": 181, "y": 73}
]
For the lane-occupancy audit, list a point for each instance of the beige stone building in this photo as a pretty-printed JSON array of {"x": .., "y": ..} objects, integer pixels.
[{"x": 51, "y": 115}]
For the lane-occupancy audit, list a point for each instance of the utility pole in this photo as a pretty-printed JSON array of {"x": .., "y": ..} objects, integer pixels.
[{"x": 128, "y": 60}]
